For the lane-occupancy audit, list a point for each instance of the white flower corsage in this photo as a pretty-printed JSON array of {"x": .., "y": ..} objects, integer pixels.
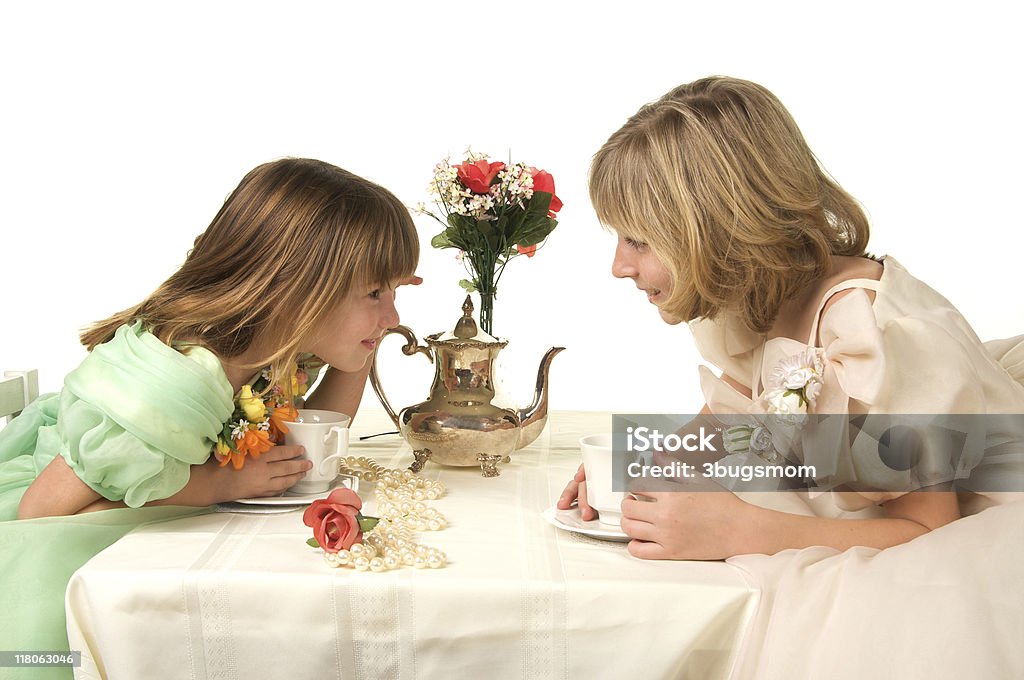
[
  {"x": 795, "y": 384},
  {"x": 755, "y": 439},
  {"x": 792, "y": 391}
]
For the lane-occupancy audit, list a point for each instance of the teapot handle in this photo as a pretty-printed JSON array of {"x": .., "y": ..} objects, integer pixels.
[{"x": 410, "y": 348}]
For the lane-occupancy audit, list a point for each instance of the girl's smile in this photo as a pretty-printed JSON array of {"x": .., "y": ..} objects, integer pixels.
[
  {"x": 653, "y": 295},
  {"x": 634, "y": 260}
]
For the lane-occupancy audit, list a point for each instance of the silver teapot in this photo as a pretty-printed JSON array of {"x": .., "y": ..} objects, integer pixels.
[{"x": 457, "y": 424}]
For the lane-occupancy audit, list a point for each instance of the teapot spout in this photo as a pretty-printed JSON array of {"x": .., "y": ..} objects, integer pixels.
[{"x": 534, "y": 417}]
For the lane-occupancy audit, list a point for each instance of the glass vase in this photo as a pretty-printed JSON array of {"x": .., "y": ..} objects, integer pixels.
[{"x": 487, "y": 312}]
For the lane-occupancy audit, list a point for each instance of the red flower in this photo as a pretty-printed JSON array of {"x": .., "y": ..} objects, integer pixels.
[
  {"x": 335, "y": 520},
  {"x": 529, "y": 251},
  {"x": 543, "y": 181},
  {"x": 478, "y": 176}
]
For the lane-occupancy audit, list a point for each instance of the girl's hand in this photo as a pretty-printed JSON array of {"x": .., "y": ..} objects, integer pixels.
[
  {"x": 410, "y": 281},
  {"x": 269, "y": 475},
  {"x": 576, "y": 490},
  {"x": 686, "y": 524}
]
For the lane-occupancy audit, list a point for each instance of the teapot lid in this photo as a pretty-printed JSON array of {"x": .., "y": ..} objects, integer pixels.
[{"x": 466, "y": 329}]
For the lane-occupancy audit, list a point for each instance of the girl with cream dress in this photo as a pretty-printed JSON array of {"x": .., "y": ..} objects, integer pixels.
[{"x": 726, "y": 220}]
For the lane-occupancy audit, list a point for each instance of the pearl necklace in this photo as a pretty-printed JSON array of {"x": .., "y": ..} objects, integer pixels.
[{"x": 401, "y": 497}]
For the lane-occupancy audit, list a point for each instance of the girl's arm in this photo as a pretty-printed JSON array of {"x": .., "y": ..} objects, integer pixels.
[
  {"x": 340, "y": 391},
  {"x": 711, "y": 525},
  {"x": 907, "y": 517},
  {"x": 58, "y": 491}
]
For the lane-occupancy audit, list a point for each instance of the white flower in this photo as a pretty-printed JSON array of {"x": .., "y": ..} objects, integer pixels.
[
  {"x": 760, "y": 439},
  {"x": 796, "y": 380},
  {"x": 785, "y": 402},
  {"x": 747, "y": 438},
  {"x": 478, "y": 206},
  {"x": 795, "y": 371},
  {"x": 800, "y": 377},
  {"x": 812, "y": 390},
  {"x": 239, "y": 430}
]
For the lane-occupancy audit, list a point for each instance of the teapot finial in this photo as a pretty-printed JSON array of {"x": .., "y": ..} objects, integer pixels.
[{"x": 466, "y": 326}]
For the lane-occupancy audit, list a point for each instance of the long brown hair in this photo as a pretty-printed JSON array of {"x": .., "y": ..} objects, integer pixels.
[
  {"x": 717, "y": 179},
  {"x": 291, "y": 241}
]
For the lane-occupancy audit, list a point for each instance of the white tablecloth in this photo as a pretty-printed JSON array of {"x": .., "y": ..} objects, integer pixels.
[{"x": 242, "y": 596}]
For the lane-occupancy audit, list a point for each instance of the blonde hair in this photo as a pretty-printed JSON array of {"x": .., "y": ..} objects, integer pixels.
[
  {"x": 717, "y": 179},
  {"x": 290, "y": 243}
]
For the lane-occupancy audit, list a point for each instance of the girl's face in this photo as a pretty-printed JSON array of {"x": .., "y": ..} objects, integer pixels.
[
  {"x": 350, "y": 333},
  {"x": 634, "y": 260}
]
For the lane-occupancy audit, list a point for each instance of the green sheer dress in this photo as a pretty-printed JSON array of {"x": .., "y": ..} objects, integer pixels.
[{"x": 130, "y": 421}]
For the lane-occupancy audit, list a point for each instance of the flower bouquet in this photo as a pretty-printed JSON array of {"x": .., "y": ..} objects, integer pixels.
[
  {"x": 258, "y": 422},
  {"x": 493, "y": 212},
  {"x": 794, "y": 385}
]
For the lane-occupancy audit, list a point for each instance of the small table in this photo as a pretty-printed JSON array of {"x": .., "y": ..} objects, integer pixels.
[{"x": 228, "y": 595}]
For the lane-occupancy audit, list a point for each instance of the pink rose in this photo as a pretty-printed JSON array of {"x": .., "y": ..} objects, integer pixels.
[
  {"x": 335, "y": 520},
  {"x": 478, "y": 176},
  {"x": 543, "y": 181}
]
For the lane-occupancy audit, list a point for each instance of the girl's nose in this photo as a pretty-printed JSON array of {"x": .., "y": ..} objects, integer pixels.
[
  {"x": 389, "y": 316},
  {"x": 622, "y": 264}
]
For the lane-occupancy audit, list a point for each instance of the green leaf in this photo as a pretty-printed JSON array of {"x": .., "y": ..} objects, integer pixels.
[
  {"x": 535, "y": 225},
  {"x": 505, "y": 225},
  {"x": 366, "y": 524},
  {"x": 468, "y": 285},
  {"x": 802, "y": 400},
  {"x": 442, "y": 241},
  {"x": 461, "y": 223},
  {"x": 490, "y": 232},
  {"x": 531, "y": 237},
  {"x": 540, "y": 202},
  {"x": 312, "y": 543},
  {"x": 458, "y": 234}
]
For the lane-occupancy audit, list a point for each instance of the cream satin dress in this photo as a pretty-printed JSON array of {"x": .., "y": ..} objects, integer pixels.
[{"x": 907, "y": 352}]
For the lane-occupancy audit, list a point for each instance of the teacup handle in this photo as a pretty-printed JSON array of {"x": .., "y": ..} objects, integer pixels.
[{"x": 340, "y": 451}]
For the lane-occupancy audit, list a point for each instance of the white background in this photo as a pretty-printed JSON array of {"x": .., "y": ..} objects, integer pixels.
[{"x": 123, "y": 126}]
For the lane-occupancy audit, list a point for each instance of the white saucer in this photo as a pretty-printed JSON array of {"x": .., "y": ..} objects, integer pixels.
[
  {"x": 340, "y": 482},
  {"x": 570, "y": 520}
]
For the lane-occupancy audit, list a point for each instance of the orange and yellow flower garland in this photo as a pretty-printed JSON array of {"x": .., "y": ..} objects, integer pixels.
[{"x": 258, "y": 422}]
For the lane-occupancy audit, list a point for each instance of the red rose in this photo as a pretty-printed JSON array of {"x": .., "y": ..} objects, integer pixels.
[
  {"x": 478, "y": 176},
  {"x": 335, "y": 520},
  {"x": 529, "y": 251},
  {"x": 543, "y": 181}
]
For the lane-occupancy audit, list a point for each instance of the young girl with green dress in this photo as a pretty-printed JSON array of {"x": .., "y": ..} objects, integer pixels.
[{"x": 298, "y": 269}]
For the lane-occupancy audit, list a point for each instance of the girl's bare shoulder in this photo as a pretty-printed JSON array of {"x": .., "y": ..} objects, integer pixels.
[{"x": 845, "y": 269}]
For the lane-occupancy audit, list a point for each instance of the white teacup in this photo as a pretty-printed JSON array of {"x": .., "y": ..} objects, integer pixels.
[
  {"x": 597, "y": 463},
  {"x": 324, "y": 435}
]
